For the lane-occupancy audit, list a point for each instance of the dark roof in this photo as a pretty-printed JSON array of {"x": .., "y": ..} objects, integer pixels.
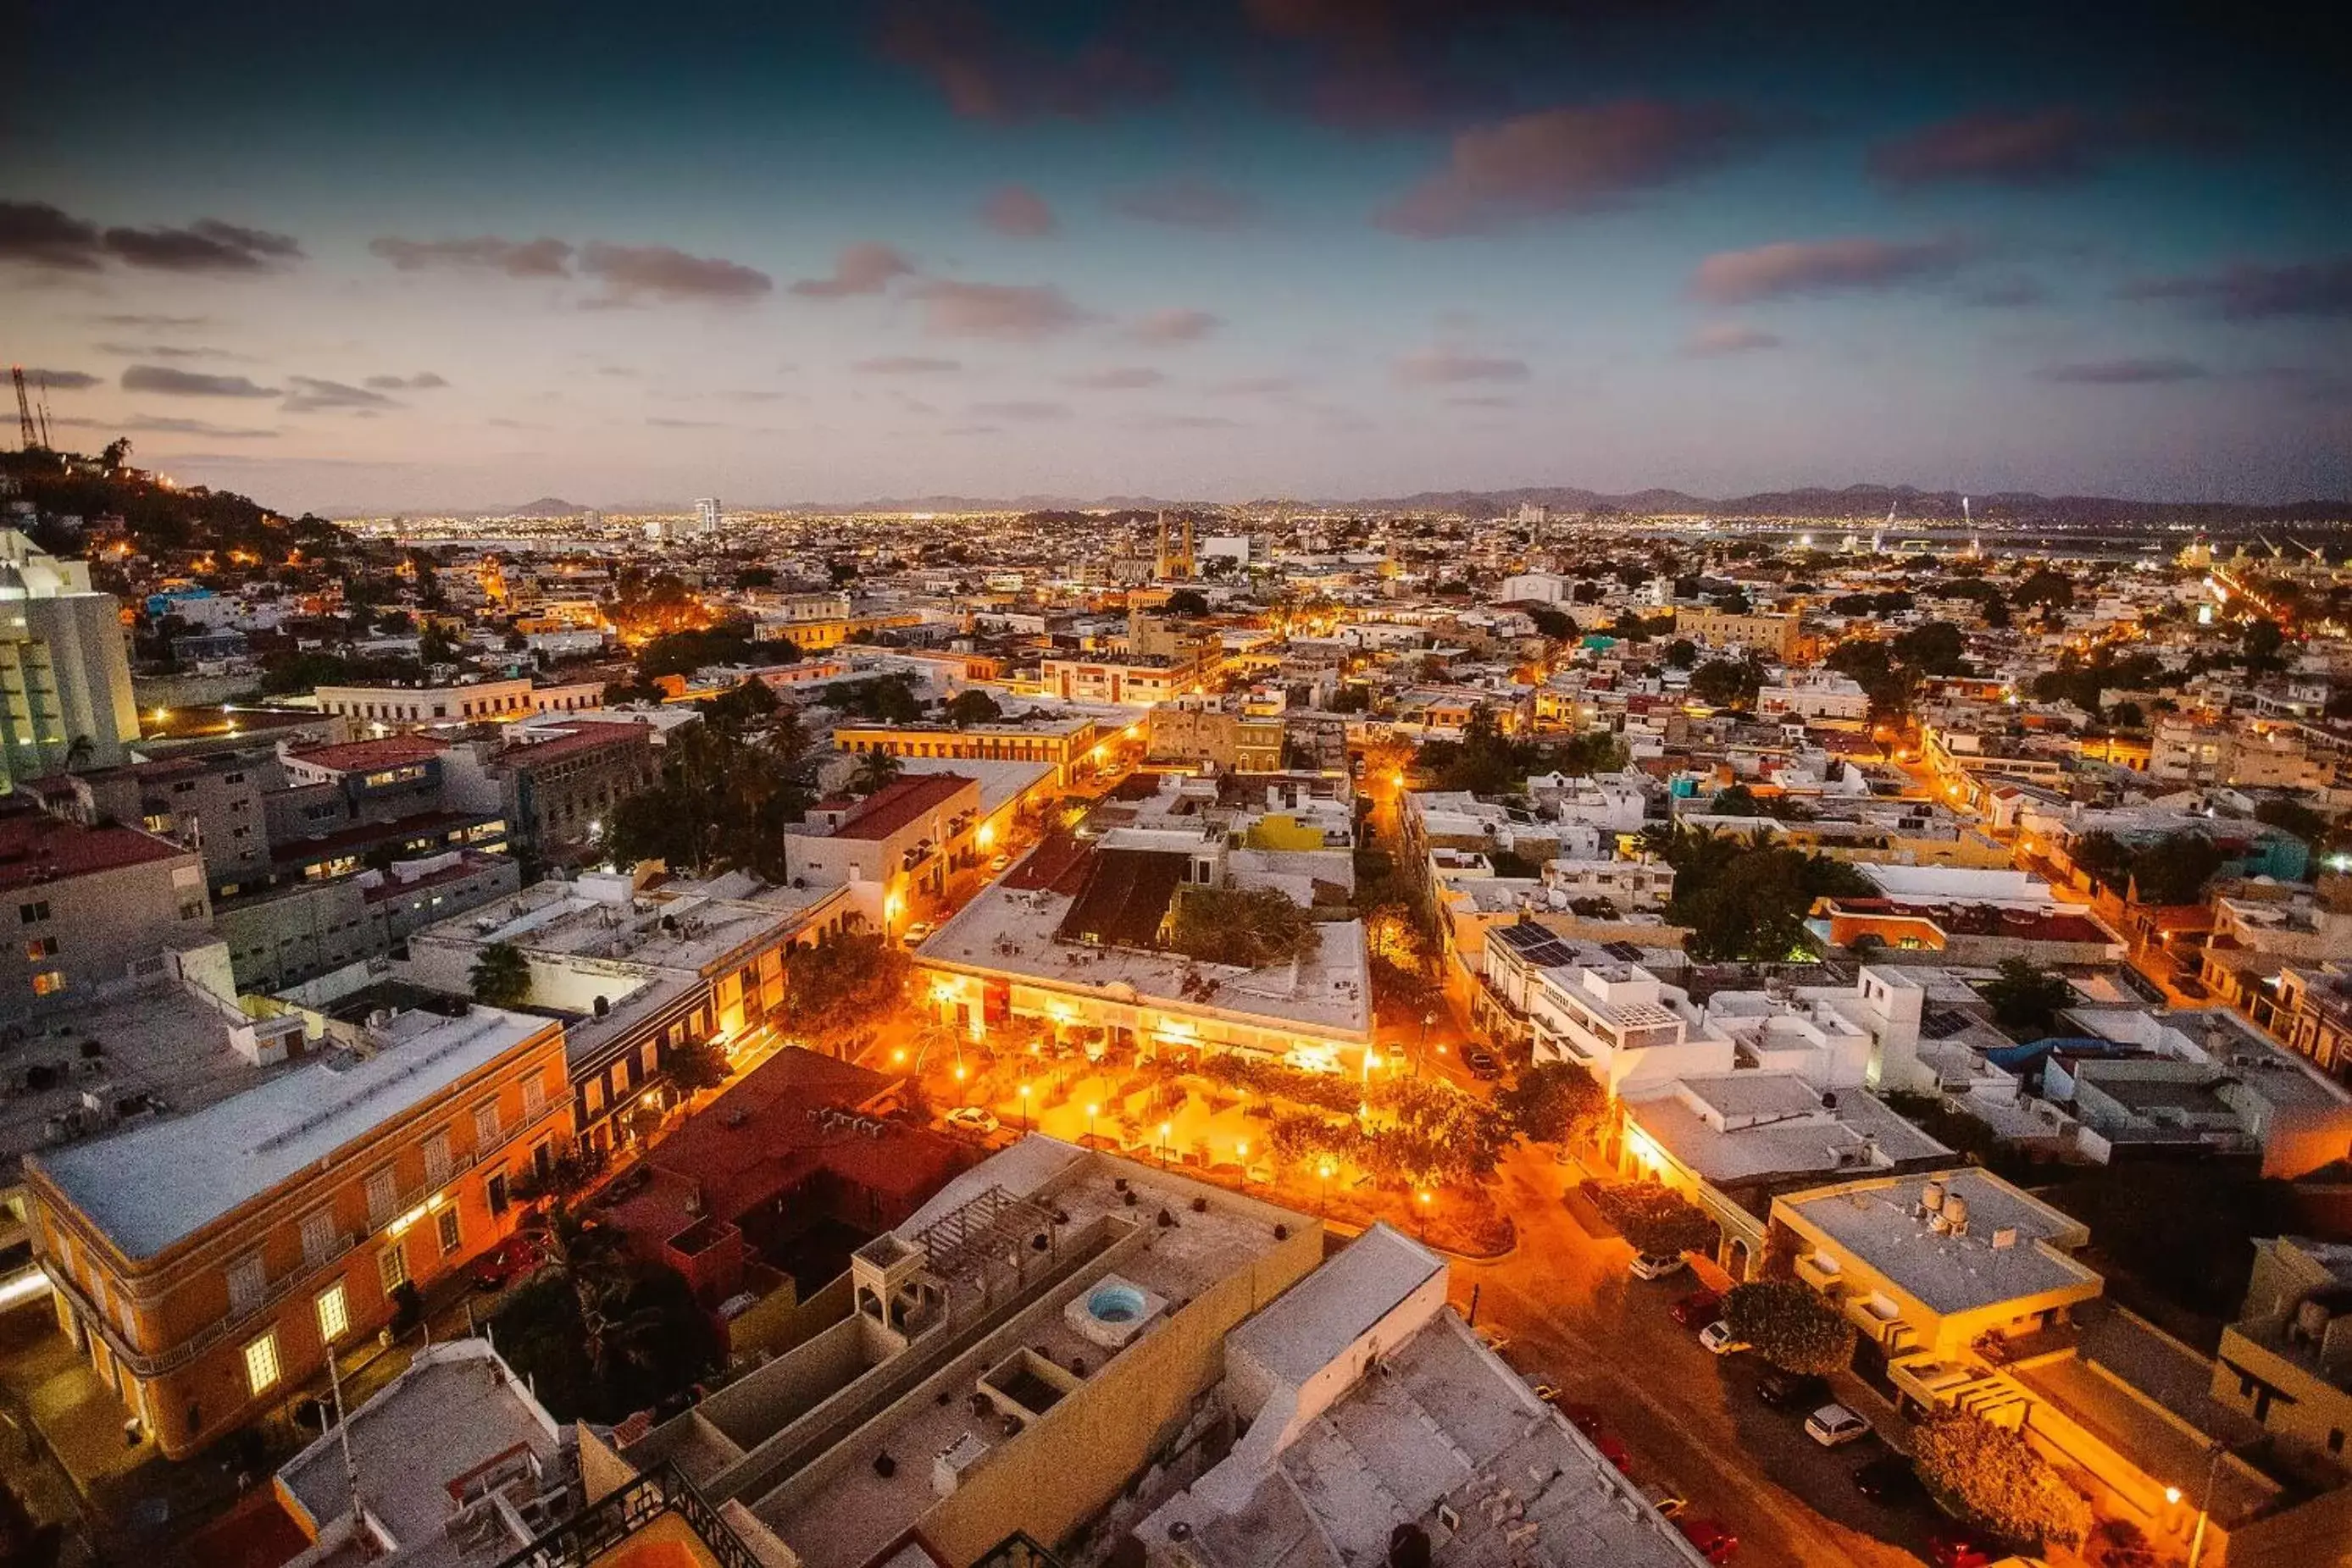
[
  {"x": 1125, "y": 899},
  {"x": 901, "y": 802},
  {"x": 36, "y": 849}
]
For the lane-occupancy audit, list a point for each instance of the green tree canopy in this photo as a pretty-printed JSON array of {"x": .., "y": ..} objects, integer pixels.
[
  {"x": 500, "y": 977},
  {"x": 967, "y": 708},
  {"x": 2026, "y": 997},
  {"x": 1788, "y": 1325},
  {"x": 1655, "y": 1218},
  {"x": 1251, "y": 927},
  {"x": 721, "y": 802},
  {"x": 1995, "y": 1479},
  {"x": 1189, "y": 602},
  {"x": 1727, "y": 683},
  {"x": 841, "y": 991},
  {"x": 2176, "y": 868},
  {"x": 1553, "y": 1103}
]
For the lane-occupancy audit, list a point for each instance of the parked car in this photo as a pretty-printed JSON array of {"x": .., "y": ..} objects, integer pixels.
[
  {"x": 1698, "y": 1309},
  {"x": 1711, "y": 1537},
  {"x": 507, "y": 1261},
  {"x": 1833, "y": 1425},
  {"x": 1482, "y": 1065},
  {"x": 972, "y": 1119},
  {"x": 1719, "y": 1338},
  {"x": 1891, "y": 1479},
  {"x": 1614, "y": 1452},
  {"x": 916, "y": 932},
  {"x": 1653, "y": 1265},
  {"x": 1781, "y": 1390},
  {"x": 1001, "y": 864},
  {"x": 1955, "y": 1546},
  {"x": 1583, "y": 1417}
]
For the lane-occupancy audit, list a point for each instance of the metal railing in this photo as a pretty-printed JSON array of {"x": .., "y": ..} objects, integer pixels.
[{"x": 598, "y": 1528}]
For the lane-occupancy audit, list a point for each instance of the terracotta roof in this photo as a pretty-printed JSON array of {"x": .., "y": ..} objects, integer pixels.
[
  {"x": 601, "y": 736},
  {"x": 36, "y": 849},
  {"x": 902, "y": 800},
  {"x": 360, "y": 756}
]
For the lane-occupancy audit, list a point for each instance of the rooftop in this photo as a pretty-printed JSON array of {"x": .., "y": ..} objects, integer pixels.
[
  {"x": 901, "y": 802},
  {"x": 1741, "y": 1127},
  {"x": 36, "y": 849},
  {"x": 363, "y": 755},
  {"x": 161, "y": 1183},
  {"x": 1884, "y": 1224}
]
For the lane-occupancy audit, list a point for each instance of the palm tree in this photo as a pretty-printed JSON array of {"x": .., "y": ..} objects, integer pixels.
[
  {"x": 875, "y": 769},
  {"x": 500, "y": 977},
  {"x": 77, "y": 753}
]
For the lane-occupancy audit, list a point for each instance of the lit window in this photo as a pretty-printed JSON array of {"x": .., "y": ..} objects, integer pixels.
[
  {"x": 334, "y": 1313},
  {"x": 48, "y": 982},
  {"x": 41, "y": 947},
  {"x": 261, "y": 1364},
  {"x": 392, "y": 1267},
  {"x": 450, "y": 1234},
  {"x": 486, "y": 1125}
]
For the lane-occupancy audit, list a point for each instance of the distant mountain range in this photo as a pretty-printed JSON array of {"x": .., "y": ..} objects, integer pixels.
[{"x": 1855, "y": 502}]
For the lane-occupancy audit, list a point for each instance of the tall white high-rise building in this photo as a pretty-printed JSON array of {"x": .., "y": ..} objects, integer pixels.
[
  {"x": 708, "y": 518},
  {"x": 65, "y": 674}
]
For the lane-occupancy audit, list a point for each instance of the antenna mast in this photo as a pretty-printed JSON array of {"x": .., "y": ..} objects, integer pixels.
[{"x": 27, "y": 436}]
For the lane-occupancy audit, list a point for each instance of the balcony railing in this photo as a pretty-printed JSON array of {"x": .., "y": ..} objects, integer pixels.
[{"x": 597, "y": 1529}]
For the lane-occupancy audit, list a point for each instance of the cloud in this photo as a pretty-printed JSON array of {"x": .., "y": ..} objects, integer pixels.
[
  {"x": 516, "y": 259},
  {"x": 154, "y": 424},
  {"x": 865, "y": 268},
  {"x": 1483, "y": 401},
  {"x": 1727, "y": 338},
  {"x": 424, "y": 381},
  {"x": 2309, "y": 384},
  {"x": 2125, "y": 372},
  {"x": 1559, "y": 162},
  {"x": 907, "y": 365},
  {"x": 1187, "y": 203},
  {"x": 1438, "y": 366},
  {"x": 165, "y": 352},
  {"x": 659, "y": 423},
  {"x": 308, "y": 394},
  {"x": 189, "y": 383},
  {"x": 2250, "y": 291},
  {"x": 1018, "y": 211},
  {"x": 1014, "y": 312},
  {"x": 630, "y": 271},
  {"x": 39, "y": 235},
  {"x": 1163, "y": 329},
  {"x": 1821, "y": 266},
  {"x": 1021, "y": 408},
  {"x": 1187, "y": 422},
  {"x": 63, "y": 380},
  {"x": 1121, "y": 377},
  {"x": 206, "y": 245},
  {"x": 986, "y": 73},
  {"x": 150, "y": 323},
  {"x": 1257, "y": 386},
  {"x": 2029, "y": 148}
]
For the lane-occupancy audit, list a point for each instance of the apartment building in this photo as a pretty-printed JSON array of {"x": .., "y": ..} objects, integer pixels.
[
  {"x": 94, "y": 908},
  {"x": 1134, "y": 681},
  {"x": 212, "y": 801},
  {"x": 1066, "y": 743},
  {"x": 561, "y": 782},
  {"x": 207, "y": 1263},
  {"x": 2286, "y": 1363},
  {"x": 894, "y": 846},
  {"x": 1776, "y": 637},
  {"x": 464, "y": 702},
  {"x": 65, "y": 672},
  {"x": 1205, "y": 730}
]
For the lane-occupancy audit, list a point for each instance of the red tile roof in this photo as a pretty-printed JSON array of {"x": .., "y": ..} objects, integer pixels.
[
  {"x": 900, "y": 802},
  {"x": 36, "y": 849},
  {"x": 360, "y": 756}
]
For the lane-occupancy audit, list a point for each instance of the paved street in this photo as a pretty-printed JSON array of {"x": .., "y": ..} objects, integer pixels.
[{"x": 1577, "y": 1320}]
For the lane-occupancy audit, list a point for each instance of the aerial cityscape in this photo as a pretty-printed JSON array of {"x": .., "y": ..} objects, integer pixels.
[{"x": 1263, "y": 784}]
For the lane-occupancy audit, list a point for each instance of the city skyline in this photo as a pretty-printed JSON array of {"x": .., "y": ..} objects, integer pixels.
[{"x": 1275, "y": 248}]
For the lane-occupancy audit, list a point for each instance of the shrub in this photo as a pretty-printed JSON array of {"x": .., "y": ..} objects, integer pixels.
[
  {"x": 1993, "y": 1477},
  {"x": 1790, "y": 1326}
]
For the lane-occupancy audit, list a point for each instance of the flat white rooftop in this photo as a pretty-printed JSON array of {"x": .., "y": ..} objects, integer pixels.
[
  {"x": 163, "y": 1181},
  {"x": 1880, "y": 1223}
]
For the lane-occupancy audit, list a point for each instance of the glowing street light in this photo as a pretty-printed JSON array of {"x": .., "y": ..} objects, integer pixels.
[
  {"x": 1025, "y": 1107},
  {"x": 1092, "y": 1110}
]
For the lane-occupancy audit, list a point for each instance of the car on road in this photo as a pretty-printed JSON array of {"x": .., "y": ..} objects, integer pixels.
[
  {"x": 975, "y": 1119},
  {"x": 1583, "y": 1417},
  {"x": 1614, "y": 1452},
  {"x": 1711, "y": 1537},
  {"x": 1955, "y": 1546},
  {"x": 507, "y": 1261},
  {"x": 1781, "y": 1390},
  {"x": 1891, "y": 1479},
  {"x": 1000, "y": 863},
  {"x": 916, "y": 932},
  {"x": 1657, "y": 1266},
  {"x": 1482, "y": 1065},
  {"x": 1719, "y": 1338},
  {"x": 1698, "y": 1309},
  {"x": 1833, "y": 1425}
]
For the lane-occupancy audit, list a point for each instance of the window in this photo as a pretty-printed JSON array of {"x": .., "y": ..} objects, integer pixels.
[
  {"x": 436, "y": 1160},
  {"x": 245, "y": 1284},
  {"x": 534, "y": 1098},
  {"x": 451, "y": 1232},
  {"x": 595, "y": 1093},
  {"x": 334, "y": 1313},
  {"x": 318, "y": 1236},
  {"x": 649, "y": 1058},
  {"x": 392, "y": 1265},
  {"x": 41, "y": 947},
  {"x": 486, "y": 1125},
  {"x": 261, "y": 1364},
  {"x": 48, "y": 982}
]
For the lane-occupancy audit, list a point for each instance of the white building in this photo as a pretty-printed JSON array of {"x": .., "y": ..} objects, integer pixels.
[
  {"x": 65, "y": 676},
  {"x": 708, "y": 518}
]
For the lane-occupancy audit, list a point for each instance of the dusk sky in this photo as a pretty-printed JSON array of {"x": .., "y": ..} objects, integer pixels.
[{"x": 426, "y": 256}]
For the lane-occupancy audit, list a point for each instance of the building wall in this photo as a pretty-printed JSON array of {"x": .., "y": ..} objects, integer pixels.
[
  {"x": 163, "y": 1332},
  {"x": 411, "y": 706},
  {"x": 65, "y": 674},
  {"x": 986, "y": 743},
  {"x": 62, "y": 940}
]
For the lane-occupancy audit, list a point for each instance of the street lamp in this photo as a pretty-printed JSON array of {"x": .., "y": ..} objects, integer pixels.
[
  {"x": 1167, "y": 1142},
  {"x": 1092, "y": 1109},
  {"x": 1421, "y": 1213},
  {"x": 1241, "y": 1153},
  {"x": 2204, "y": 1507},
  {"x": 1324, "y": 1171},
  {"x": 1025, "y": 1107},
  {"x": 1426, "y": 1019}
]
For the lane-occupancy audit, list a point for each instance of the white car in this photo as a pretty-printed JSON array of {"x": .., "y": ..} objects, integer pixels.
[
  {"x": 1655, "y": 1266},
  {"x": 1718, "y": 1337},
  {"x": 916, "y": 932},
  {"x": 1001, "y": 863},
  {"x": 972, "y": 1119},
  {"x": 1833, "y": 1425}
]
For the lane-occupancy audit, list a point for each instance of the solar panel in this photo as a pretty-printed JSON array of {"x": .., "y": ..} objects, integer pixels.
[
  {"x": 1625, "y": 952},
  {"x": 1943, "y": 1023}
]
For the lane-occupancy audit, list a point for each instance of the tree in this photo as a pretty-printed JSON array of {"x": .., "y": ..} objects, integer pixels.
[
  {"x": 2046, "y": 588},
  {"x": 2026, "y": 997},
  {"x": 838, "y": 993},
  {"x": 2292, "y": 817},
  {"x": 1553, "y": 1103},
  {"x": 1552, "y": 624},
  {"x": 2176, "y": 868},
  {"x": 115, "y": 454},
  {"x": 1738, "y": 801},
  {"x": 1994, "y": 1479},
  {"x": 1189, "y": 602},
  {"x": 695, "y": 1065},
  {"x": 875, "y": 770},
  {"x": 599, "y": 1333},
  {"x": 2261, "y": 641},
  {"x": 1788, "y": 1324},
  {"x": 1249, "y": 927},
  {"x": 2106, "y": 859},
  {"x": 1727, "y": 682},
  {"x": 1658, "y": 1220},
  {"x": 967, "y": 708},
  {"x": 1936, "y": 648},
  {"x": 500, "y": 977},
  {"x": 1681, "y": 654}
]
